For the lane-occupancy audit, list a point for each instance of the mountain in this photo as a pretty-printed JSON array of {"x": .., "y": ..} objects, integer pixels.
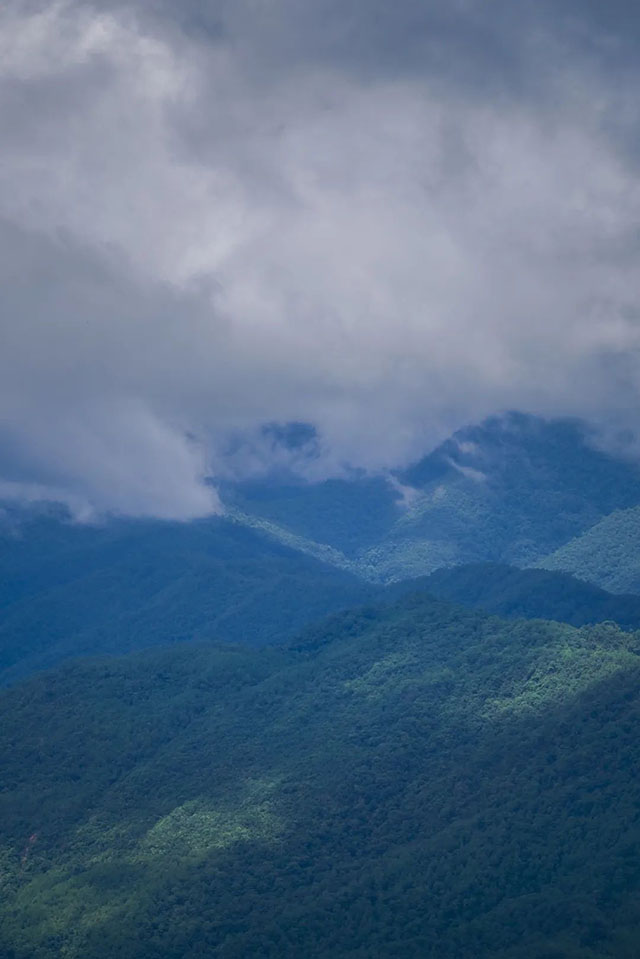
[
  {"x": 417, "y": 780},
  {"x": 69, "y": 589},
  {"x": 531, "y": 594},
  {"x": 607, "y": 554},
  {"x": 289, "y": 551},
  {"x": 511, "y": 490}
]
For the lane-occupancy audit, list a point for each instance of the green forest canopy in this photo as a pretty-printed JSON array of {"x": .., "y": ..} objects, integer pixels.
[{"x": 417, "y": 780}]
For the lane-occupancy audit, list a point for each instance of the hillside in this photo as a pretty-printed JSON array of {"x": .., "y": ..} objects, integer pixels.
[
  {"x": 509, "y": 490},
  {"x": 288, "y": 551},
  {"x": 531, "y": 594},
  {"x": 607, "y": 554},
  {"x": 416, "y": 781},
  {"x": 68, "y": 589}
]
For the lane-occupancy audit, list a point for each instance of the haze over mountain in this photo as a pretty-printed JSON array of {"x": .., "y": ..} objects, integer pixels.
[
  {"x": 511, "y": 489},
  {"x": 388, "y": 222},
  {"x": 288, "y": 551},
  {"x": 319, "y": 479},
  {"x": 70, "y": 589}
]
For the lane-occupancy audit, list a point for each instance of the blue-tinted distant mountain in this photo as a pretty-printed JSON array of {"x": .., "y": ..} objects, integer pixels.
[
  {"x": 349, "y": 515},
  {"x": 510, "y": 490},
  {"x": 530, "y": 594},
  {"x": 607, "y": 554},
  {"x": 68, "y": 589}
]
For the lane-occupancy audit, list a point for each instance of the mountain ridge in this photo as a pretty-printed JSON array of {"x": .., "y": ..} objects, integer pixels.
[
  {"x": 607, "y": 554},
  {"x": 510, "y": 490},
  {"x": 516, "y": 593},
  {"x": 70, "y": 589}
]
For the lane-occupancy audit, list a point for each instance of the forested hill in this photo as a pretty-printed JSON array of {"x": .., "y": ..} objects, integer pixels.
[
  {"x": 512, "y": 490},
  {"x": 289, "y": 551},
  {"x": 68, "y": 589},
  {"x": 530, "y": 594},
  {"x": 418, "y": 781},
  {"x": 608, "y": 554}
]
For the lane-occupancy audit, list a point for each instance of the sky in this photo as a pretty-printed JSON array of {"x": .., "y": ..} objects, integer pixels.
[{"x": 385, "y": 220}]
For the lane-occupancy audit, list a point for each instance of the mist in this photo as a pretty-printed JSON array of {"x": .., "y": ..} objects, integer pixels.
[{"x": 385, "y": 223}]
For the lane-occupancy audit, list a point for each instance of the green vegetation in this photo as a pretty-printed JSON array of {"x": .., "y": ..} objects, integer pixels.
[
  {"x": 531, "y": 594},
  {"x": 346, "y": 514},
  {"x": 511, "y": 490},
  {"x": 417, "y": 780},
  {"x": 608, "y": 554},
  {"x": 68, "y": 590},
  {"x": 408, "y": 779},
  {"x": 289, "y": 552}
]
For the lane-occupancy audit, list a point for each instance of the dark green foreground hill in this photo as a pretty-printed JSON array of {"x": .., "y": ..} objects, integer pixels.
[{"x": 418, "y": 781}]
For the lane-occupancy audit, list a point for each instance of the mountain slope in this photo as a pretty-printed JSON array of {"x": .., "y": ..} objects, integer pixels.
[
  {"x": 289, "y": 551},
  {"x": 348, "y": 514},
  {"x": 531, "y": 594},
  {"x": 70, "y": 590},
  {"x": 608, "y": 554},
  {"x": 417, "y": 781},
  {"x": 510, "y": 490}
]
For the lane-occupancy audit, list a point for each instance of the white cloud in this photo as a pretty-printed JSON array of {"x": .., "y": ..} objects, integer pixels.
[{"x": 188, "y": 252}]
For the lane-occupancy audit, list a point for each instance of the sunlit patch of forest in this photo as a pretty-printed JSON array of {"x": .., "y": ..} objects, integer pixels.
[{"x": 414, "y": 780}]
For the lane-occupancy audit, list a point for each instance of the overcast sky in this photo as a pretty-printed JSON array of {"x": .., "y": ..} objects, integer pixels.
[{"x": 385, "y": 219}]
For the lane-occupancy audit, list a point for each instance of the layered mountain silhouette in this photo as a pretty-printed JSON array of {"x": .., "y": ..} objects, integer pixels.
[{"x": 371, "y": 716}]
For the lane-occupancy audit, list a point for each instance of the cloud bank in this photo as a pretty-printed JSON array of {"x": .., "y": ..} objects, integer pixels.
[{"x": 386, "y": 221}]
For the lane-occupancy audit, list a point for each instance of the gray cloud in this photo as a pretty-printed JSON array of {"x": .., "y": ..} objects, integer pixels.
[{"x": 383, "y": 221}]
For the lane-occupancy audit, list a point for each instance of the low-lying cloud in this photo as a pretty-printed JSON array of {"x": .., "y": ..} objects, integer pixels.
[{"x": 206, "y": 226}]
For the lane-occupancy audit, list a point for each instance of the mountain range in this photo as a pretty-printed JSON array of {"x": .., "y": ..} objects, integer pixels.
[
  {"x": 516, "y": 490},
  {"x": 391, "y": 716}
]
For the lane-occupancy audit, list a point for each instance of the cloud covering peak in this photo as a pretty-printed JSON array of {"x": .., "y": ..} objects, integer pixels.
[{"x": 385, "y": 222}]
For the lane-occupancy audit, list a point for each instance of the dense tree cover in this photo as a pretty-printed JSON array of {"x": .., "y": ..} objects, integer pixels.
[
  {"x": 511, "y": 490},
  {"x": 347, "y": 514},
  {"x": 608, "y": 554},
  {"x": 417, "y": 780},
  {"x": 289, "y": 551},
  {"x": 69, "y": 589},
  {"x": 531, "y": 594},
  {"x": 405, "y": 779}
]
